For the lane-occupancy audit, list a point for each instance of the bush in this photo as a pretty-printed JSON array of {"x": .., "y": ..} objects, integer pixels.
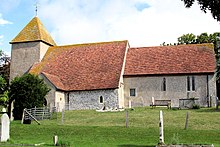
[
  {"x": 28, "y": 91},
  {"x": 196, "y": 106}
]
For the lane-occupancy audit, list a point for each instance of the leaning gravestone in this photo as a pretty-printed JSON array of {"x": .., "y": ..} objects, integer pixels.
[{"x": 5, "y": 123}]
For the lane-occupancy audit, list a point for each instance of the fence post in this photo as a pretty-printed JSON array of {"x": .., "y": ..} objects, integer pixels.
[
  {"x": 63, "y": 116},
  {"x": 161, "y": 128},
  {"x": 55, "y": 140},
  {"x": 35, "y": 108},
  {"x": 43, "y": 113},
  {"x": 187, "y": 118},
  {"x": 22, "y": 119},
  {"x": 126, "y": 118}
]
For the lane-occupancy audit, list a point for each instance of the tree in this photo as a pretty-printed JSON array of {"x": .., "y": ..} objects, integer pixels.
[
  {"x": 3, "y": 92},
  {"x": 4, "y": 78},
  {"x": 193, "y": 39},
  {"x": 187, "y": 39},
  {"x": 212, "y": 5},
  {"x": 28, "y": 91},
  {"x": 5, "y": 66}
]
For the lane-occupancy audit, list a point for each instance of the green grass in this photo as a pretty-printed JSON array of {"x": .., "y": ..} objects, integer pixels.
[{"x": 91, "y": 128}]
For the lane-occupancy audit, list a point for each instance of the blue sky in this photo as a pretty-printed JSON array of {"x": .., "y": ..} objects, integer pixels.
[{"x": 141, "y": 22}]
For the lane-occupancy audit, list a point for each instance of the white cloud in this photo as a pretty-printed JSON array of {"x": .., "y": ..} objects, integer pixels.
[
  {"x": 102, "y": 20},
  {"x": 3, "y": 21}
]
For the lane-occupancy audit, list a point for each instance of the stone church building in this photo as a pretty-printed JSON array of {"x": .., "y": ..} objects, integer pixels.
[{"x": 90, "y": 75}]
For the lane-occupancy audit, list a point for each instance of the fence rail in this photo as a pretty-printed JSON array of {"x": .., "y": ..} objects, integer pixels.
[{"x": 38, "y": 113}]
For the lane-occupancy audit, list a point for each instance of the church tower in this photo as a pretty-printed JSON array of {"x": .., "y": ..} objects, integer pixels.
[{"x": 29, "y": 47}]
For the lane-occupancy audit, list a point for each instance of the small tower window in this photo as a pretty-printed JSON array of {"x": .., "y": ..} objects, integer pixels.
[
  {"x": 188, "y": 83},
  {"x": 132, "y": 92},
  {"x": 193, "y": 83},
  {"x": 164, "y": 84},
  {"x": 101, "y": 99}
]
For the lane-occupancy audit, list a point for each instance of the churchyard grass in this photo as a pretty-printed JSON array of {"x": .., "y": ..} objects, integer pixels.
[{"x": 91, "y": 128}]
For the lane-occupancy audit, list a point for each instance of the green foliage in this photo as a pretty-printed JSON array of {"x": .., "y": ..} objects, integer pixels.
[
  {"x": 193, "y": 39},
  {"x": 3, "y": 85},
  {"x": 3, "y": 92},
  {"x": 199, "y": 39},
  {"x": 196, "y": 106},
  {"x": 28, "y": 91},
  {"x": 4, "y": 99},
  {"x": 212, "y": 5},
  {"x": 5, "y": 66},
  {"x": 187, "y": 39},
  {"x": 203, "y": 38}
]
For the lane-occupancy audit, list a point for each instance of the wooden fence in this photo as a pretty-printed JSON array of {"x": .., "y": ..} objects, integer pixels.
[{"x": 38, "y": 113}]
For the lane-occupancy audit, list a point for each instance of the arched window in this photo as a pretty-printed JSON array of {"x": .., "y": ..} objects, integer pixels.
[
  {"x": 45, "y": 102},
  {"x": 164, "y": 86},
  {"x": 191, "y": 83},
  {"x": 101, "y": 99}
]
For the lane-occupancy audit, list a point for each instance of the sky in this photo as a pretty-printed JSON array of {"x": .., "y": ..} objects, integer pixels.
[{"x": 142, "y": 22}]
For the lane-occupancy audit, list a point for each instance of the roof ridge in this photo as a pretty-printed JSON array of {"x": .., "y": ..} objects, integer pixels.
[
  {"x": 38, "y": 23},
  {"x": 91, "y": 43},
  {"x": 180, "y": 45}
]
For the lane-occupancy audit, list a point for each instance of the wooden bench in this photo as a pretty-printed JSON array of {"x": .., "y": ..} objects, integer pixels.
[{"x": 161, "y": 103}]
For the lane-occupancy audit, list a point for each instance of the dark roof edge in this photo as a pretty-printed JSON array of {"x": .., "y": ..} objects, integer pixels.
[
  {"x": 13, "y": 42},
  {"x": 168, "y": 74},
  {"x": 87, "y": 89}
]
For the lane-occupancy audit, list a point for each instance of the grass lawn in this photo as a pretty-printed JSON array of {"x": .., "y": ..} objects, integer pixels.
[{"x": 91, "y": 128}]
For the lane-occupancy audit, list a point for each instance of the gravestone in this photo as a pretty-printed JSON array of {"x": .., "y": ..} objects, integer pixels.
[
  {"x": 3, "y": 110},
  {"x": 5, "y": 123}
]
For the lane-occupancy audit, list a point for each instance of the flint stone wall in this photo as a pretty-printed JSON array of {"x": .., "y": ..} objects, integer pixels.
[{"x": 91, "y": 99}]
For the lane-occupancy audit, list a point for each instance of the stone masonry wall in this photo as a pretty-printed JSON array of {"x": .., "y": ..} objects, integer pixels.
[
  {"x": 24, "y": 55},
  {"x": 176, "y": 88},
  {"x": 91, "y": 99}
]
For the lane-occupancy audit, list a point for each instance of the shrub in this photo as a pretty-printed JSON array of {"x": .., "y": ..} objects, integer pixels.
[
  {"x": 196, "y": 106},
  {"x": 28, "y": 91}
]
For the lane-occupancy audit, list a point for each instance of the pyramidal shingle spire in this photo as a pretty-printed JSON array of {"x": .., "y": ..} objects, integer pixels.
[{"x": 34, "y": 31}]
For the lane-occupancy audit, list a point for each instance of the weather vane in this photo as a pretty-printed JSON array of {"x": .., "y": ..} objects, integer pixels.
[{"x": 36, "y": 6}]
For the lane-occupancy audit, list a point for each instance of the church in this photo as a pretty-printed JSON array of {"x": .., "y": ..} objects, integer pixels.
[{"x": 113, "y": 74}]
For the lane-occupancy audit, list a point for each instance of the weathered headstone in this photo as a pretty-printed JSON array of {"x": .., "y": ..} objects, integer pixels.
[
  {"x": 3, "y": 110},
  {"x": 55, "y": 140},
  {"x": 129, "y": 103},
  {"x": 5, "y": 126}
]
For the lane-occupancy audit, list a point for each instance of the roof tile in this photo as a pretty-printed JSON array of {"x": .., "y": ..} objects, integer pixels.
[
  {"x": 84, "y": 66},
  {"x": 34, "y": 31},
  {"x": 181, "y": 59}
]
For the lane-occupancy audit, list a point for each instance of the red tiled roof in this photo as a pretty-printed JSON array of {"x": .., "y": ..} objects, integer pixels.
[
  {"x": 54, "y": 80},
  {"x": 181, "y": 59},
  {"x": 84, "y": 66}
]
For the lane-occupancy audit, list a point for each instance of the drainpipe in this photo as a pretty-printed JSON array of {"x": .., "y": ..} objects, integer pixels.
[
  {"x": 207, "y": 84},
  {"x": 217, "y": 63},
  {"x": 68, "y": 100}
]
